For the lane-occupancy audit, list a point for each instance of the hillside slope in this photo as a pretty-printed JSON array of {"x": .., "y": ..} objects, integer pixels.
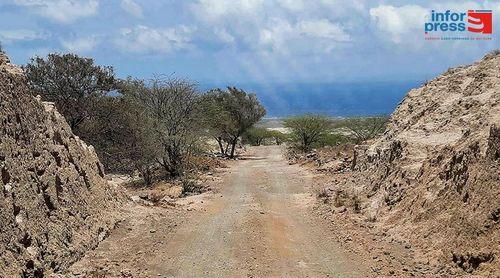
[
  {"x": 433, "y": 178},
  {"x": 53, "y": 198}
]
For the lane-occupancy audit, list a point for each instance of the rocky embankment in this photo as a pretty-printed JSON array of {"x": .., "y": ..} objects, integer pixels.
[
  {"x": 54, "y": 201},
  {"x": 433, "y": 178}
]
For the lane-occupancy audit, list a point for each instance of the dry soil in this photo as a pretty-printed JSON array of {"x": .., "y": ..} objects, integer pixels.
[{"x": 258, "y": 223}]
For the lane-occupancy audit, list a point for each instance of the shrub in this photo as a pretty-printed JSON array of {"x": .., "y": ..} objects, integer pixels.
[
  {"x": 308, "y": 130},
  {"x": 255, "y": 136},
  {"x": 356, "y": 204},
  {"x": 190, "y": 185},
  {"x": 363, "y": 128},
  {"x": 340, "y": 198},
  {"x": 119, "y": 131},
  {"x": 323, "y": 195},
  {"x": 172, "y": 105},
  {"x": 332, "y": 139},
  {"x": 278, "y": 137}
]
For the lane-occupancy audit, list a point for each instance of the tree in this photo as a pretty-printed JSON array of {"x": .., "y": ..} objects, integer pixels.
[
  {"x": 363, "y": 128},
  {"x": 73, "y": 83},
  {"x": 121, "y": 135},
  {"x": 278, "y": 136},
  {"x": 307, "y": 130},
  {"x": 256, "y": 135},
  {"x": 233, "y": 113},
  {"x": 173, "y": 106},
  {"x": 216, "y": 120}
]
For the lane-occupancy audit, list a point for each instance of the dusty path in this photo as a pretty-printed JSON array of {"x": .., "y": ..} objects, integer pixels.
[{"x": 259, "y": 225}]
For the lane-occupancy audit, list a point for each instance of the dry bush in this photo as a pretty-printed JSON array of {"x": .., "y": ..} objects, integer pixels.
[
  {"x": 204, "y": 163},
  {"x": 156, "y": 196},
  {"x": 323, "y": 195},
  {"x": 340, "y": 198},
  {"x": 191, "y": 185},
  {"x": 356, "y": 204}
]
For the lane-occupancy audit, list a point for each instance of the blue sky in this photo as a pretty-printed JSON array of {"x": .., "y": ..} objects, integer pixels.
[{"x": 244, "y": 41}]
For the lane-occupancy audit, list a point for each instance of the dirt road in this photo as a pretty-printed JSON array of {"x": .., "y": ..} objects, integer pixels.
[{"x": 258, "y": 225}]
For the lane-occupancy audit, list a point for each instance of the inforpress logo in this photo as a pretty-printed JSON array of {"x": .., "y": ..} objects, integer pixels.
[
  {"x": 481, "y": 21},
  {"x": 459, "y": 25}
]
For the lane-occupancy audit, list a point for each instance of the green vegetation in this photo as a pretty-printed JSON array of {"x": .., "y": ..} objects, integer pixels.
[
  {"x": 332, "y": 139},
  {"x": 144, "y": 125},
  {"x": 311, "y": 131},
  {"x": 229, "y": 114},
  {"x": 121, "y": 134},
  {"x": 308, "y": 130},
  {"x": 363, "y": 128},
  {"x": 162, "y": 122},
  {"x": 172, "y": 106},
  {"x": 255, "y": 136},
  {"x": 278, "y": 137},
  {"x": 73, "y": 83}
]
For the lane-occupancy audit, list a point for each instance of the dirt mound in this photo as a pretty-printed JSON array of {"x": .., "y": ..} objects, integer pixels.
[
  {"x": 53, "y": 198},
  {"x": 433, "y": 178}
]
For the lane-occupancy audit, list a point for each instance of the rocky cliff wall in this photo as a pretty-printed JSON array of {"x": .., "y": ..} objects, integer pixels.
[
  {"x": 54, "y": 202},
  {"x": 434, "y": 176}
]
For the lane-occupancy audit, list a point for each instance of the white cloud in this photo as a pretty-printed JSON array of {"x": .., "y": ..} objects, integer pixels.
[
  {"x": 143, "y": 39},
  {"x": 281, "y": 25},
  {"x": 21, "y": 35},
  {"x": 131, "y": 7},
  {"x": 275, "y": 35},
  {"x": 293, "y": 5},
  {"x": 80, "y": 45},
  {"x": 305, "y": 36},
  {"x": 323, "y": 29},
  {"x": 213, "y": 10},
  {"x": 224, "y": 36},
  {"x": 398, "y": 21},
  {"x": 64, "y": 11}
]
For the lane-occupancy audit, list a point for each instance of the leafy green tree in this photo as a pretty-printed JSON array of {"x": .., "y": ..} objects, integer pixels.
[
  {"x": 174, "y": 108},
  {"x": 216, "y": 120},
  {"x": 308, "y": 129},
  {"x": 279, "y": 137},
  {"x": 233, "y": 112},
  {"x": 256, "y": 135},
  {"x": 73, "y": 83}
]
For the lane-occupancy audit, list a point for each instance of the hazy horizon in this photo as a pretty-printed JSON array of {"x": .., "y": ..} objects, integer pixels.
[{"x": 332, "y": 99}]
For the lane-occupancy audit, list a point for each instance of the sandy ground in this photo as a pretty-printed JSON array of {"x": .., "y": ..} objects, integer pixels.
[{"x": 258, "y": 222}]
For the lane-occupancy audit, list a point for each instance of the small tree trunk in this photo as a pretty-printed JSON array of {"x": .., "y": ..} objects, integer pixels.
[
  {"x": 219, "y": 140},
  {"x": 233, "y": 147},
  {"x": 147, "y": 175},
  {"x": 166, "y": 168}
]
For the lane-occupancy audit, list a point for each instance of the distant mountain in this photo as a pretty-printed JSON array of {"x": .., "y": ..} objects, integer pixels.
[{"x": 334, "y": 99}]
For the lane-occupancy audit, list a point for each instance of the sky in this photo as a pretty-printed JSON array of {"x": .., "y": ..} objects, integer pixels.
[{"x": 238, "y": 42}]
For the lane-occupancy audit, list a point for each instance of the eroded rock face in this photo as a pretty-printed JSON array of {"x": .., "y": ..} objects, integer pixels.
[
  {"x": 434, "y": 176},
  {"x": 54, "y": 202}
]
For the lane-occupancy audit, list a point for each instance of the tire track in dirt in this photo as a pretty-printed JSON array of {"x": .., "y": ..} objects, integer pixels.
[{"x": 258, "y": 226}]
